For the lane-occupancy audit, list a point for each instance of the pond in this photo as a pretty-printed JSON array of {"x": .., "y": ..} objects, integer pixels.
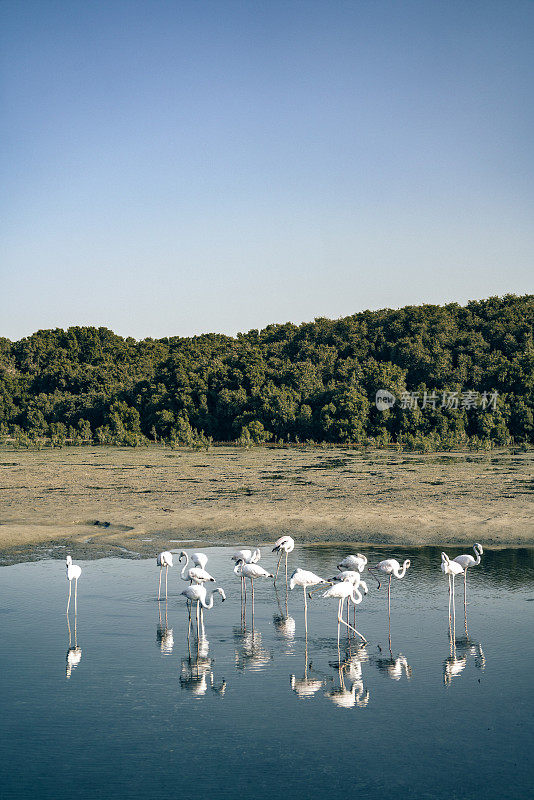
[{"x": 122, "y": 701}]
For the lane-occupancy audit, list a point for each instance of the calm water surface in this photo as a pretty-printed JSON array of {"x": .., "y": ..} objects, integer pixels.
[{"x": 125, "y": 705}]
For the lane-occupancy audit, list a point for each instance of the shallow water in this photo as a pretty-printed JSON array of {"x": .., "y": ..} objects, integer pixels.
[{"x": 135, "y": 710}]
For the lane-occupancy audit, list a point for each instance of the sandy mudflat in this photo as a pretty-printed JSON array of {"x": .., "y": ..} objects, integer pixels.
[{"x": 142, "y": 498}]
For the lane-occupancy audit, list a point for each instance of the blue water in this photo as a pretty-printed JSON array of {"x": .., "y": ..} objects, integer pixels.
[{"x": 136, "y": 709}]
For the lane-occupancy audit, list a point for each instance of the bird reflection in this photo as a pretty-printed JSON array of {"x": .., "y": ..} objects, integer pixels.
[
  {"x": 306, "y": 686},
  {"x": 250, "y": 653},
  {"x": 197, "y": 669},
  {"x": 74, "y": 654},
  {"x": 351, "y": 690},
  {"x": 456, "y": 661},
  {"x": 164, "y": 636},
  {"x": 284, "y": 625},
  {"x": 349, "y": 693},
  {"x": 393, "y": 667}
]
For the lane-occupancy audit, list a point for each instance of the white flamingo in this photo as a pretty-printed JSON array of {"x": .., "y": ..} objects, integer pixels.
[
  {"x": 285, "y": 544},
  {"x": 251, "y": 571},
  {"x": 248, "y": 557},
  {"x": 199, "y": 560},
  {"x": 304, "y": 578},
  {"x": 196, "y": 593},
  {"x": 342, "y": 591},
  {"x": 466, "y": 560},
  {"x": 451, "y": 568},
  {"x": 357, "y": 562},
  {"x": 193, "y": 574},
  {"x": 163, "y": 560},
  {"x": 73, "y": 573},
  {"x": 389, "y": 567}
]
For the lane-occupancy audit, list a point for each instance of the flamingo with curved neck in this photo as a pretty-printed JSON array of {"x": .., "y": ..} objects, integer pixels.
[
  {"x": 193, "y": 574},
  {"x": 465, "y": 561}
]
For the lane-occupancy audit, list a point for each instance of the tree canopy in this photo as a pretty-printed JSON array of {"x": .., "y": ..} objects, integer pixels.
[{"x": 459, "y": 375}]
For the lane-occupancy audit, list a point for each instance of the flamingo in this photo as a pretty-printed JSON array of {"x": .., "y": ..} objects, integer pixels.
[
  {"x": 193, "y": 574},
  {"x": 451, "y": 568},
  {"x": 343, "y": 590},
  {"x": 249, "y": 557},
  {"x": 197, "y": 593},
  {"x": 285, "y": 544},
  {"x": 467, "y": 561},
  {"x": 389, "y": 567},
  {"x": 304, "y": 578},
  {"x": 357, "y": 562},
  {"x": 163, "y": 560},
  {"x": 199, "y": 560},
  {"x": 73, "y": 573},
  {"x": 251, "y": 571}
]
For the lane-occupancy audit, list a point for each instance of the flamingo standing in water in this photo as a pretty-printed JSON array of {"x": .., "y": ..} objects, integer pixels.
[
  {"x": 73, "y": 573},
  {"x": 389, "y": 567},
  {"x": 251, "y": 571},
  {"x": 304, "y": 578},
  {"x": 357, "y": 562},
  {"x": 163, "y": 560},
  {"x": 466, "y": 560},
  {"x": 196, "y": 593},
  {"x": 344, "y": 590},
  {"x": 196, "y": 574},
  {"x": 285, "y": 544},
  {"x": 249, "y": 557},
  {"x": 451, "y": 568}
]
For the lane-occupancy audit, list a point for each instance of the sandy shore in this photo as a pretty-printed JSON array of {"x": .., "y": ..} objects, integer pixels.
[{"x": 139, "y": 499}]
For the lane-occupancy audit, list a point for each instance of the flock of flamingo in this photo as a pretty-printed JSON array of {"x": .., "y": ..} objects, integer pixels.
[{"x": 345, "y": 586}]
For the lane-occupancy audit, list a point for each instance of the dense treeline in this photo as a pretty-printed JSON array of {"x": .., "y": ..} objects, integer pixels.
[{"x": 459, "y": 376}]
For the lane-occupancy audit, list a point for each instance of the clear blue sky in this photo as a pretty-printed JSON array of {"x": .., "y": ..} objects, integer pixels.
[{"x": 173, "y": 168}]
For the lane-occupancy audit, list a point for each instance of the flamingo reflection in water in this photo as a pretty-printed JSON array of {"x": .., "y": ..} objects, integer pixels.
[
  {"x": 350, "y": 692},
  {"x": 306, "y": 686},
  {"x": 456, "y": 661},
  {"x": 394, "y": 666},
  {"x": 164, "y": 635},
  {"x": 74, "y": 653},
  {"x": 250, "y": 652},
  {"x": 284, "y": 624},
  {"x": 197, "y": 671}
]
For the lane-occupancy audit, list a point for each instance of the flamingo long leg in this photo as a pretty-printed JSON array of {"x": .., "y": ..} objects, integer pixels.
[
  {"x": 166, "y": 573},
  {"x": 68, "y": 601},
  {"x": 305, "y": 615},
  {"x": 159, "y": 586},
  {"x": 252, "y": 583},
  {"x": 278, "y": 566},
  {"x": 340, "y": 619},
  {"x": 286, "y": 570},
  {"x": 75, "y": 597}
]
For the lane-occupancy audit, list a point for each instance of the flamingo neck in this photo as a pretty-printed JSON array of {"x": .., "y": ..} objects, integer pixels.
[
  {"x": 185, "y": 566},
  {"x": 400, "y": 573},
  {"x": 207, "y": 605},
  {"x": 356, "y": 593}
]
